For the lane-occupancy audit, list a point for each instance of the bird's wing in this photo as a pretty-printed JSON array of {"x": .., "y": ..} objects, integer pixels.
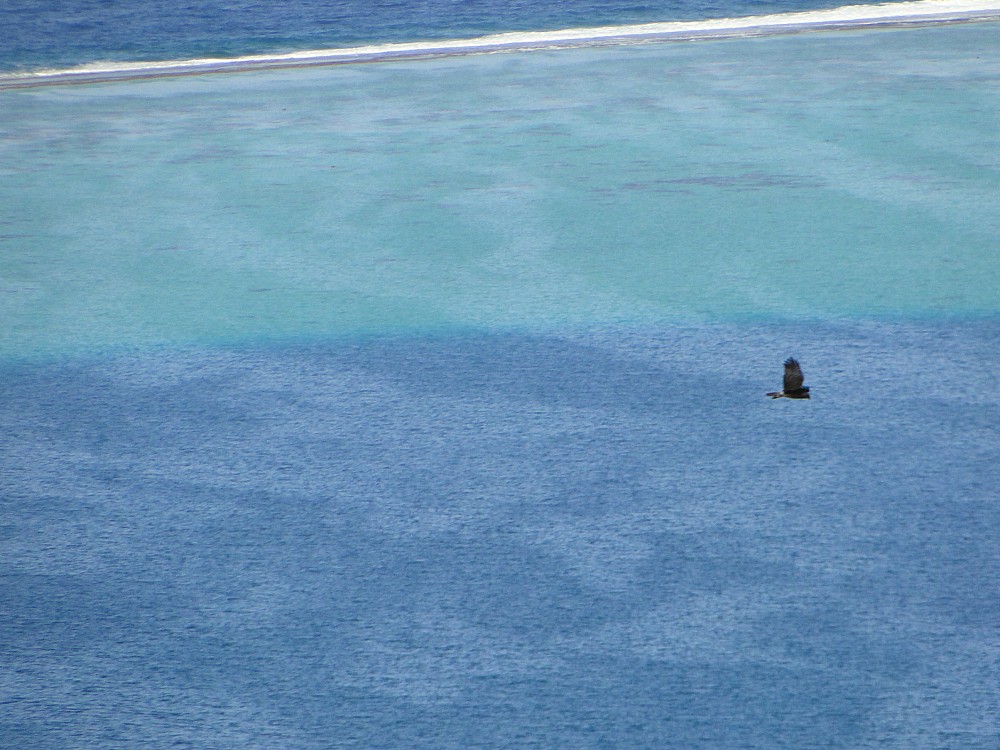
[{"x": 793, "y": 375}]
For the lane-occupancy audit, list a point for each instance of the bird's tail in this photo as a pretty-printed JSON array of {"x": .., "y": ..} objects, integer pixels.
[{"x": 776, "y": 394}]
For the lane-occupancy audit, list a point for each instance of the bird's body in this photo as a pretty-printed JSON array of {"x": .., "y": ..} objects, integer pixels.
[{"x": 793, "y": 382}]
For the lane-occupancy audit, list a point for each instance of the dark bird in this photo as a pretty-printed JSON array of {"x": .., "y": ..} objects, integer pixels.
[{"x": 793, "y": 382}]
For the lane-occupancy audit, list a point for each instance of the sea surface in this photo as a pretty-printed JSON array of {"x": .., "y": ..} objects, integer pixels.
[
  {"x": 63, "y": 33},
  {"x": 420, "y": 404}
]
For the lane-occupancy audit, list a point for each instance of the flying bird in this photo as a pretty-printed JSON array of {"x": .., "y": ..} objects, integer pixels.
[{"x": 793, "y": 382}]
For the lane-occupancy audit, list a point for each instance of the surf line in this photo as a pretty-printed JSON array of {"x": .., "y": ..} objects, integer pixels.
[{"x": 897, "y": 14}]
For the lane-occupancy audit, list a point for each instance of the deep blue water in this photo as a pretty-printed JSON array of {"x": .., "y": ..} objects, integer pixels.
[
  {"x": 55, "y": 34},
  {"x": 600, "y": 538}
]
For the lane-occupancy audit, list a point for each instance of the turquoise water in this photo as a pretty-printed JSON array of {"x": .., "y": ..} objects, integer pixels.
[
  {"x": 806, "y": 176},
  {"x": 421, "y": 405}
]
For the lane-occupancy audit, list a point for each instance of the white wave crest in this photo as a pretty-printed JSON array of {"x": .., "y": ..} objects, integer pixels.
[{"x": 850, "y": 16}]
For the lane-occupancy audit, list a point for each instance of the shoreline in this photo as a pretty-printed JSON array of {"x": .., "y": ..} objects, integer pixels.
[{"x": 845, "y": 18}]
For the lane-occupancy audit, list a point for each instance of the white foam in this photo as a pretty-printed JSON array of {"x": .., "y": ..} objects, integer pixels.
[{"x": 850, "y": 16}]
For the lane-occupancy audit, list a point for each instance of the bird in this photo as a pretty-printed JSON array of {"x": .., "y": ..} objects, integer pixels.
[{"x": 793, "y": 382}]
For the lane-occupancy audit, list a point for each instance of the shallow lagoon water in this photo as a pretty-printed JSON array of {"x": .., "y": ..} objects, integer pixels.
[
  {"x": 421, "y": 405},
  {"x": 815, "y": 175}
]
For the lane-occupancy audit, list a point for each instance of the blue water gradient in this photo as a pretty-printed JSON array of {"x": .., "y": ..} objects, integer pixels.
[
  {"x": 812, "y": 176},
  {"x": 599, "y": 538},
  {"x": 421, "y": 405},
  {"x": 57, "y": 34}
]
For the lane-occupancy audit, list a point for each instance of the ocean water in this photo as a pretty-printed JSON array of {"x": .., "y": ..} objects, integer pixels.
[
  {"x": 421, "y": 404},
  {"x": 59, "y": 34}
]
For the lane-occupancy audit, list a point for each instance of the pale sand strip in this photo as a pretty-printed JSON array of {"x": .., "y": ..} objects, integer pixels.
[{"x": 900, "y": 14}]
